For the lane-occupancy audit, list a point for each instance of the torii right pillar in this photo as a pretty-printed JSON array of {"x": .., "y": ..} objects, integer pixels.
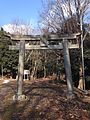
[{"x": 67, "y": 65}]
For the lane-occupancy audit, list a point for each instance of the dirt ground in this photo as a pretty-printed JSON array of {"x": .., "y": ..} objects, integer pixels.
[{"x": 47, "y": 100}]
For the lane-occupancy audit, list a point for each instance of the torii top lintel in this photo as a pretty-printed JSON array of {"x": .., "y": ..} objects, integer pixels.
[{"x": 39, "y": 37}]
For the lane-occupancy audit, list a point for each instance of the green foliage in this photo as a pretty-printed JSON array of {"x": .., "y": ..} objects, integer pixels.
[
  {"x": 87, "y": 57},
  {"x": 75, "y": 65},
  {"x": 8, "y": 58}
]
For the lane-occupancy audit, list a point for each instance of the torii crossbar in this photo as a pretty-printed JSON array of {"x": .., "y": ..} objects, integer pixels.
[{"x": 63, "y": 42}]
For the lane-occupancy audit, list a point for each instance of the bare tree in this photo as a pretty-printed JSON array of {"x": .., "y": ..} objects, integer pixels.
[
  {"x": 21, "y": 28},
  {"x": 64, "y": 15}
]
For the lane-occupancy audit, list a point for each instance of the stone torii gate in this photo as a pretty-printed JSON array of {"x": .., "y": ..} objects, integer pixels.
[{"x": 64, "y": 42}]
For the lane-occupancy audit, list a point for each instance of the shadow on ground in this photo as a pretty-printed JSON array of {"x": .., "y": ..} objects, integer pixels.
[{"x": 46, "y": 101}]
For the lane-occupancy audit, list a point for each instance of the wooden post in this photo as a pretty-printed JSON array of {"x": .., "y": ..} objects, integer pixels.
[{"x": 68, "y": 69}]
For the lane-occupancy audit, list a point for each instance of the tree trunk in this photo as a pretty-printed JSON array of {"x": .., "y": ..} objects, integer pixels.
[
  {"x": 44, "y": 71},
  {"x": 2, "y": 71},
  {"x": 80, "y": 86},
  {"x": 33, "y": 72}
]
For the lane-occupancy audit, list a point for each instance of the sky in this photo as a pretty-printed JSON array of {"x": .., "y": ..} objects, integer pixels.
[{"x": 26, "y": 10}]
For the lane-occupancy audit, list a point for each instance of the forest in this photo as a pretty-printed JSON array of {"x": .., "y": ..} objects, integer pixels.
[{"x": 43, "y": 63}]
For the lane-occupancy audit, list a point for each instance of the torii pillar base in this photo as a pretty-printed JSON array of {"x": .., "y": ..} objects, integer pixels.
[
  {"x": 70, "y": 96},
  {"x": 20, "y": 98}
]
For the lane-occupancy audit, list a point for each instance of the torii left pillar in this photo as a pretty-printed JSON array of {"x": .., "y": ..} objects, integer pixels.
[
  {"x": 21, "y": 68},
  {"x": 20, "y": 95}
]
